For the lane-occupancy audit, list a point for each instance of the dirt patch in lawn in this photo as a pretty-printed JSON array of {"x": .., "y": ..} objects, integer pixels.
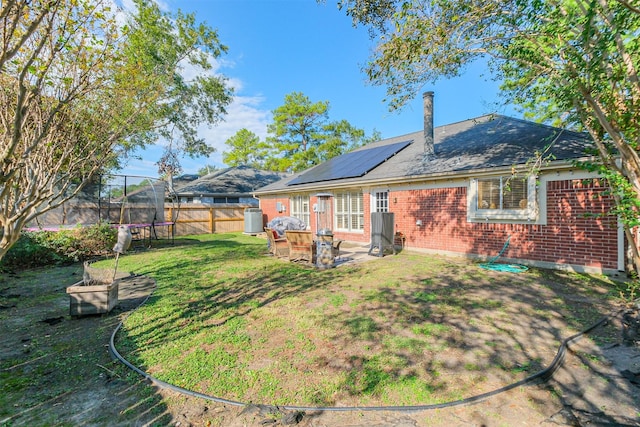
[{"x": 57, "y": 370}]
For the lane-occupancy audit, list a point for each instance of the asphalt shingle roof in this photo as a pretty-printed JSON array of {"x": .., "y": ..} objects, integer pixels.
[
  {"x": 476, "y": 144},
  {"x": 231, "y": 181}
]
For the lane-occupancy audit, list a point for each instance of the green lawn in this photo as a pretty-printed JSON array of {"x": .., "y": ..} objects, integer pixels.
[{"x": 229, "y": 321}]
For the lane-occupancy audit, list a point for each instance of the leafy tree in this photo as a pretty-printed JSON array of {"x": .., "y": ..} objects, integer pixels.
[
  {"x": 119, "y": 191},
  {"x": 206, "y": 170},
  {"x": 341, "y": 137},
  {"x": 78, "y": 90},
  {"x": 246, "y": 149},
  {"x": 301, "y": 135},
  {"x": 572, "y": 59},
  {"x": 294, "y": 132},
  {"x": 166, "y": 43}
]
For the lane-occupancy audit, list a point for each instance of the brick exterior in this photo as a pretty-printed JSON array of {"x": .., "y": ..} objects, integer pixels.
[
  {"x": 268, "y": 206},
  {"x": 577, "y": 231}
]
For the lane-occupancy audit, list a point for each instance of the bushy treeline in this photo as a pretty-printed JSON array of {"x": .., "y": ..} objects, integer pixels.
[{"x": 41, "y": 248}]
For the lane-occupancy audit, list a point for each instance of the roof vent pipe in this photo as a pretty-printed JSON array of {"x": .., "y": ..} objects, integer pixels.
[{"x": 427, "y": 102}]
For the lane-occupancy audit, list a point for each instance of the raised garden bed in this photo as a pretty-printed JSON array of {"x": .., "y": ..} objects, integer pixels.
[
  {"x": 97, "y": 293},
  {"x": 92, "y": 299}
]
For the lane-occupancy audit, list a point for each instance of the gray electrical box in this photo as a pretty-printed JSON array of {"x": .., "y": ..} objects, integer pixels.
[{"x": 253, "y": 221}]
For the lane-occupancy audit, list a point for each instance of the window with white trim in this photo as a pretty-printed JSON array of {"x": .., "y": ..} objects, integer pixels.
[
  {"x": 381, "y": 199},
  {"x": 300, "y": 208},
  {"x": 349, "y": 211},
  {"x": 502, "y": 198}
]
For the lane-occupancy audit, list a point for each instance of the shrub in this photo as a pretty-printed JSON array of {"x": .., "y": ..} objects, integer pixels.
[
  {"x": 99, "y": 239},
  {"x": 41, "y": 248},
  {"x": 31, "y": 250}
]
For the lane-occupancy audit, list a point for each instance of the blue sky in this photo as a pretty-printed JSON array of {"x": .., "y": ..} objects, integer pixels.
[{"x": 281, "y": 46}]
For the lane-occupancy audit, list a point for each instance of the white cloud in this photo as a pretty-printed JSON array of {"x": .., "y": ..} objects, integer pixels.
[
  {"x": 189, "y": 72},
  {"x": 143, "y": 162},
  {"x": 129, "y": 5},
  {"x": 244, "y": 112},
  {"x": 164, "y": 6}
]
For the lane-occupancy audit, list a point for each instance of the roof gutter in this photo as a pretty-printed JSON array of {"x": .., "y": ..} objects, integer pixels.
[{"x": 325, "y": 186}]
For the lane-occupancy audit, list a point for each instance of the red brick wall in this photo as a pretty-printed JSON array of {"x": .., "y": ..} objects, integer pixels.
[
  {"x": 268, "y": 206},
  {"x": 574, "y": 234},
  {"x": 578, "y": 230}
]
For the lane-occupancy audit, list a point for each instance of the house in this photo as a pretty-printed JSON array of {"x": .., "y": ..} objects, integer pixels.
[
  {"x": 234, "y": 185},
  {"x": 466, "y": 188}
]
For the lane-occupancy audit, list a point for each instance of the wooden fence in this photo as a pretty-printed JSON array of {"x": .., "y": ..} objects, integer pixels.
[
  {"x": 201, "y": 219},
  {"x": 190, "y": 218}
]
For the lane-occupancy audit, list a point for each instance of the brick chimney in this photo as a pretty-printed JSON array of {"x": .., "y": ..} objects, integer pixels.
[{"x": 427, "y": 102}]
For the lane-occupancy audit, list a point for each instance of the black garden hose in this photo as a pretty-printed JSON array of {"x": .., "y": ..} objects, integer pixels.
[{"x": 541, "y": 376}]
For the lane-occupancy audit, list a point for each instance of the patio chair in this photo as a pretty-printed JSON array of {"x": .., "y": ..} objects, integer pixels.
[
  {"x": 301, "y": 245},
  {"x": 278, "y": 246},
  {"x": 335, "y": 248}
]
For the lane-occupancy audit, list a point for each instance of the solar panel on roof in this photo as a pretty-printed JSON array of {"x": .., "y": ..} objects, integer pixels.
[{"x": 350, "y": 165}]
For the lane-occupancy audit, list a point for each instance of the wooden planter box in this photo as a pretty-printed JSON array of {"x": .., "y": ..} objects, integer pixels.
[
  {"x": 92, "y": 299},
  {"x": 97, "y": 292}
]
